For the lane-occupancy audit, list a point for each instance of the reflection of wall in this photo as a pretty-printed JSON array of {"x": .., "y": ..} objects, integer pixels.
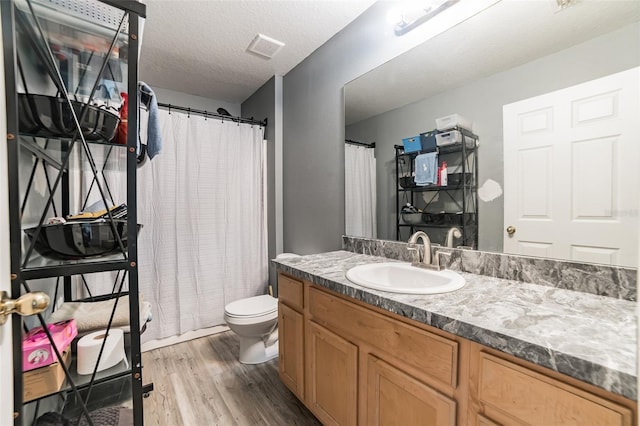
[
  {"x": 482, "y": 101},
  {"x": 313, "y": 129}
]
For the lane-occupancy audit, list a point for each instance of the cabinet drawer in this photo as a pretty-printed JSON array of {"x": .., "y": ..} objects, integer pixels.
[
  {"x": 432, "y": 355},
  {"x": 290, "y": 291},
  {"x": 513, "y": 394}
]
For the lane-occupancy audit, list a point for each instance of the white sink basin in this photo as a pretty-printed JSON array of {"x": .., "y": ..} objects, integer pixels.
[{"x": 397, "y": 277}]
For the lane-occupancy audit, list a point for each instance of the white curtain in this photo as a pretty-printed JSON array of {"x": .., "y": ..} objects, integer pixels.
[
  {"x": 202, "y": 203},
  {"x": 360, "y": 191}
]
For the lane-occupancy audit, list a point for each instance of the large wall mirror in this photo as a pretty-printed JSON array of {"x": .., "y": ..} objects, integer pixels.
[{"x": 511, "y": 70}]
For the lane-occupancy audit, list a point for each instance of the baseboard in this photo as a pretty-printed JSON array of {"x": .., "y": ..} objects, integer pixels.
[{"x": 190, "y": 335}]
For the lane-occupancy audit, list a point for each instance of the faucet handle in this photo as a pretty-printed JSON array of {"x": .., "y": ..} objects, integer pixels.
[
  {"x": 437, "y": 259},
  {"x": 415, "y": 248}
]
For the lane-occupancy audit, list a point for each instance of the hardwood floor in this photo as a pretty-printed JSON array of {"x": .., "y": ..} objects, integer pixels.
[{"x": 202, "y": 383}]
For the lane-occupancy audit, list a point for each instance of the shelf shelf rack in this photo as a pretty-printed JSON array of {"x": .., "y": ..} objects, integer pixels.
[
  {"x": 24, "y": 18},
  {"x": 463, "y": 195}
]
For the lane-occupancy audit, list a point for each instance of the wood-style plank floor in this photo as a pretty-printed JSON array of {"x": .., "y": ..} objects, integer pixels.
[{"x": 202, "y": 383}]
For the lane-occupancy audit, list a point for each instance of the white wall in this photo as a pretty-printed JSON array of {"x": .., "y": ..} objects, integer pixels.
[
  {"x": 193, "y": 101},
  {"x": 482, "y": 101}
]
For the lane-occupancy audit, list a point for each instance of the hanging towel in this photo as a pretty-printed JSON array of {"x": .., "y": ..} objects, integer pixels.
[
  {"x": 154, "y": 138},
  {"x": 426, "y": 167}
]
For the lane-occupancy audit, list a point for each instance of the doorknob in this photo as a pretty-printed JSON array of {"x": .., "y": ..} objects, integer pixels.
[
  {"x": 511, "y": 230},
  {"x": 27, "y": 304}
]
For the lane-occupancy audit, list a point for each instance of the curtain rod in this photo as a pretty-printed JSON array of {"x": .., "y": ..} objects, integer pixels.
[
  {"x": 213, "y": 114},
  {"x": 368, "y": 145}
]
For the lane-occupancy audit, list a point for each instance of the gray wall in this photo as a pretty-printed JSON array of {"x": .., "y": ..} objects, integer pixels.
[
  {"x": 313, "y": 130},
  {"x": 261, "y": 105},
  {"x": 482, "y": 101}
]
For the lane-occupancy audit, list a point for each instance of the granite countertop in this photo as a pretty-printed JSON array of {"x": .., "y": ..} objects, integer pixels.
[{"x": 591, "y": 338}]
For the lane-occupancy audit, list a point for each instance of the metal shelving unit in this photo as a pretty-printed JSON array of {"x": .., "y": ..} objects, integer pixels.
[
  {"x": 461, "y": 197},
  {"x": 65, "y": 49}
]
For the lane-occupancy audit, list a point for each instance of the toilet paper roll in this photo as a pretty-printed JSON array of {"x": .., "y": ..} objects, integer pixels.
[{"x": 89, "y": 349}]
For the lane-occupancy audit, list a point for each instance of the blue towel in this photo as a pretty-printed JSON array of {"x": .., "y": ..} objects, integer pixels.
[
  {"x": 154, "y": 137},
  {"x": 426, "y": 167}
]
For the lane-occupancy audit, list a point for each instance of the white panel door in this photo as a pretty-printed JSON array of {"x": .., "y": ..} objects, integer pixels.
[
  {"x": 6, "y": 349},
  {"x": 571, "y": 172}
]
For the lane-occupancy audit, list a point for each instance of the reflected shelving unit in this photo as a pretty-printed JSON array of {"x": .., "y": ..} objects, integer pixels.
[
  {"x": 67, "y": 62},
  {"x": 443, "y": 207}
]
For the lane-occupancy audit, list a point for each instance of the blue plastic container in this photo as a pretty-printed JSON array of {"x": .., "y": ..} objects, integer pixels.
[
  {"x": 412, "y": 144},
  {"x": 428, "y": 141}
]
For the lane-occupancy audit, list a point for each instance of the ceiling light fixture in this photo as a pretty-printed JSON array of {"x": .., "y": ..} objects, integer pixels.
[{"x": 431, "y": 9}]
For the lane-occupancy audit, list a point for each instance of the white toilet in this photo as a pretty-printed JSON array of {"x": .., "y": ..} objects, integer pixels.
[{"x": 254, "y": 320}]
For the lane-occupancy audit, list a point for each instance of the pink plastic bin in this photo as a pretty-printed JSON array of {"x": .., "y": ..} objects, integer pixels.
[{"x": 37, "y": 350}]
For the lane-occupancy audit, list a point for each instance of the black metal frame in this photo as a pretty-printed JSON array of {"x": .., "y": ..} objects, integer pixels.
[
  {"x": 21, "y": 271},
  {"x": 469, "y": 190},
  {"x": 207, "y": 114},
  {"x": 358, "y": 143}
]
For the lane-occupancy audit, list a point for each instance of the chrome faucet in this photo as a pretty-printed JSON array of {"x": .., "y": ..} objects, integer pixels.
[
  {"x": 453, "y": 232},
  {"x": 424, "y": 260}
]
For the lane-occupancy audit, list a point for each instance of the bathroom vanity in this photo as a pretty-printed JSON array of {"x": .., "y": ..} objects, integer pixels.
[{"x": 496, "y": 352}]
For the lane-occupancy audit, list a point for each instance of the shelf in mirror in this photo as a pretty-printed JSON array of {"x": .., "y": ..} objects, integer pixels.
[
  {"x": 430, "y": 225},
  {"x": 436, "y": 188}
]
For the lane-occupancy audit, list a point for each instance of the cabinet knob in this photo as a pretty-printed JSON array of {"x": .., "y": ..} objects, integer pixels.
[
  {"x": 27, "y": 304},
  {"x": 511, "y": 230}
]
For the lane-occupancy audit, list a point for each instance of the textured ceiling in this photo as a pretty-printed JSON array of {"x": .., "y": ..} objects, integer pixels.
[
  {"x": 199, "y": 46},
  {"x": 508, "y": 34}
]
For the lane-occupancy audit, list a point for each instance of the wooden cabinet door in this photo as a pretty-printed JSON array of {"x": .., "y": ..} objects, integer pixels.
[
  {"x": 333, "y": 377},
  {"x": 514, "y": 395},
  {"x": 291, "y": 349},
  {"x": 395, "y": 398}
]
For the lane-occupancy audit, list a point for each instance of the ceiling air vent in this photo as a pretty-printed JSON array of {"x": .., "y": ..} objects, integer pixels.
[{"x": 265, "y": 46}]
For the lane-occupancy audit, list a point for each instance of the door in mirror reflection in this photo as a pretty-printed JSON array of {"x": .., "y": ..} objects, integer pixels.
[{"x": 571, "y": 172}]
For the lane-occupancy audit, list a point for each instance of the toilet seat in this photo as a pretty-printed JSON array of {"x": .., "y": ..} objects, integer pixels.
[{"x": 252, "y": 307}]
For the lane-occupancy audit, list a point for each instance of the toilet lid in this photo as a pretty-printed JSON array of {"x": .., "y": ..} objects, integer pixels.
[{"x": 252, "y": 306}]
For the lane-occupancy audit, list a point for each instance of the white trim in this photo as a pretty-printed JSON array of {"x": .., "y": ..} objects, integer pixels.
[
  {"x": 190, "y": 335},
  {"x": 6, "y": 348}
]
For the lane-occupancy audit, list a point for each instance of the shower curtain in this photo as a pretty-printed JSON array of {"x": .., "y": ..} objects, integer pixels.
[
  {"x": 360, "y": 191},
  {"x": 202, "y": 203}
]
